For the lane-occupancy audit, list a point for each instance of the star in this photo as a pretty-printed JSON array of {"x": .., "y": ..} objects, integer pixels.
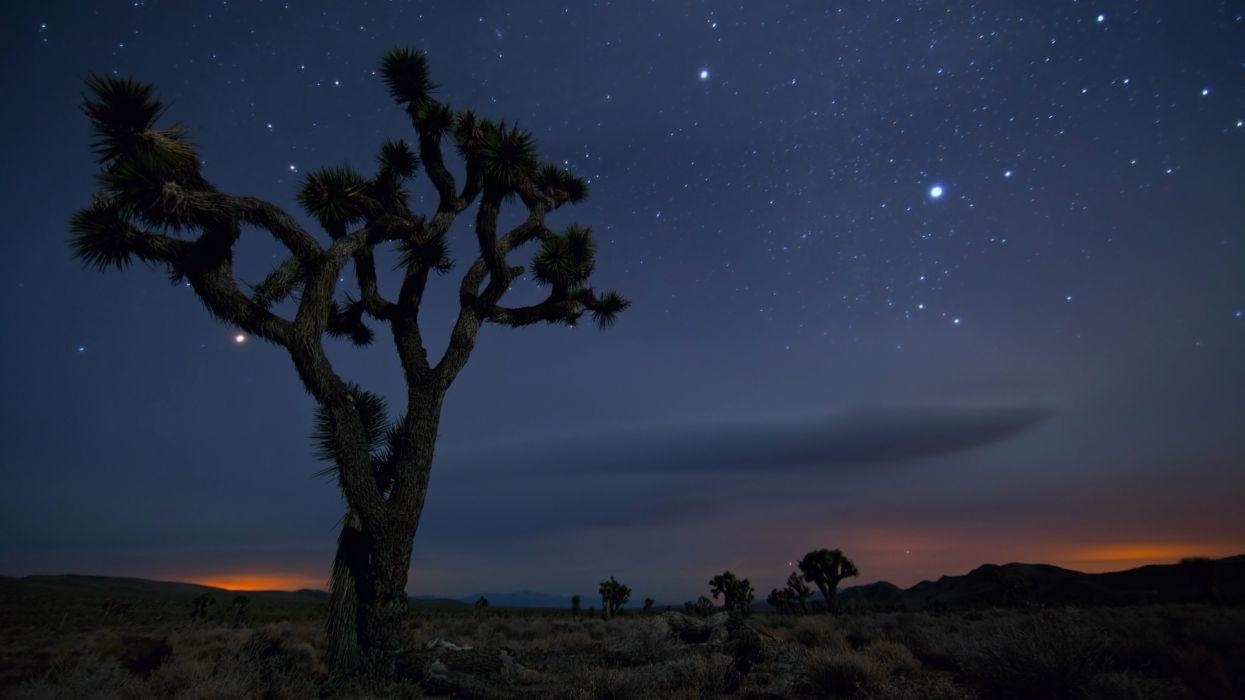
[
  {"x": 1101, "y": 18},
  {"x": 1007, "y": 173},
  {"x": 935, "y": 192},
  {"x": 956, "y": 321},
  {"x": 704, "y": 73},
  {"x": 1205, "y": 91},
  {"x": 239, "y": 339}
]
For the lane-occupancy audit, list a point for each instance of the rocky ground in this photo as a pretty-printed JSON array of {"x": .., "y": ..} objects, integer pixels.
[{"x": 1141, "y": 652}]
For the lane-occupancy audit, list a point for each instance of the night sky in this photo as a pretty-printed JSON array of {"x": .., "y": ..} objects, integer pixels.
[{"x": 937, "y": 283}]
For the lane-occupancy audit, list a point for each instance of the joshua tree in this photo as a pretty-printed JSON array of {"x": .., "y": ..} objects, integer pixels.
[
  {"x": 781, "y": 600},
  {"x": 153, "y": 205},
  {"x": 799, "y": 590},
  {"x": 203, "y": 603},
  {"x": 737, "y": 594},
  {"x": 703, "y": 607},
  {"x": 1203, "y": 571},
  {"x": 648, "y": 604},
  {"x": 575, "y": 603},
  {"x": 614, "y": 596},
  {"x": 481, "y": 603},
  {"x": 241, "y": 606},
  {"x": 824, "y": 568}
]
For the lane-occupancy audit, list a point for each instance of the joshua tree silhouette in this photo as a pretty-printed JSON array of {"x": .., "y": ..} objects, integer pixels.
[
  {"x": 824, "y": 568},
  {"x": 614, "y": 596},
  {"x": 153, "y": 205},
  {"x": 737, "y": 594}
]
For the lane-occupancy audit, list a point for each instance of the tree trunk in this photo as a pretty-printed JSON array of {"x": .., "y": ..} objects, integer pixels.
[{"x": 382, "y": 601}]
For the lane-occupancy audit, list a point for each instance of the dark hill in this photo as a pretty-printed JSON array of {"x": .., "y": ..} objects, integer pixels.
[{"x": 1010, "y": 585}]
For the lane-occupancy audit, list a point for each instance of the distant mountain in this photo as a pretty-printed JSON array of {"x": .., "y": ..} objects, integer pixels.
[
  {"x": 516, "y": 599},
  {"x": 1043, "y": 584}
]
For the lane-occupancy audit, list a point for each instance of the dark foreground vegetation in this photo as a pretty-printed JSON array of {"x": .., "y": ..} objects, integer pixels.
[{"x": 81, "y": 637}]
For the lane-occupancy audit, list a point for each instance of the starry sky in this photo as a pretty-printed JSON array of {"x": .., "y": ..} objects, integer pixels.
[{"x": 939, "y": 283}]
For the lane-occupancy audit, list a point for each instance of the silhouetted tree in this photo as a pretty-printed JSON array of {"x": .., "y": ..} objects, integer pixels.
[
  {"x": 782, "y": 600},
  {"x": 800, "y": 592},
  {"x": 703, "y": 607},
  {"x": 241, "y": 607},
  {"x": 824, "y": 568},
  {"x": 575, "y": 603},
  {"x": 648, "y": 604},
  {"x": 736, "y": 593},
  {"x": 481, "y": 603},
  {"x": 614, "y": 596},
  {"x": 1204, "y": 572},
  {"x": 153, "y": 205},
  {"x": 203, "y": 603}
]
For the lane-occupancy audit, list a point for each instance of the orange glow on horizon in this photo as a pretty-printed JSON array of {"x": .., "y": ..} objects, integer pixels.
[{"x": 258, "y": 582}]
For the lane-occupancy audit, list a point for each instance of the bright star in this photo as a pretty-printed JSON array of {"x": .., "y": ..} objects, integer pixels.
[
  {"x": 935, "y": 191},
  {"x": 239, "y": 339},
  {"x": 1007, "y": 173},
  {"x": 1101, "y": 19},
  {"x": 956, "y": 320},
  {"x": 1205, "y": 91},
  {"x": 704, "y": 73}
]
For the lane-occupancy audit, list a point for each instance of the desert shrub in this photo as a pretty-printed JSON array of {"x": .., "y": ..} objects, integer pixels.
[
  {"x": 596, "y": 683},
  {"x": 1047, "y": 655},
  {"x": 817, "y": 632},
  {"x": 643, "y": 642},
  {"x": 85, "y": 678},
  {"x": 896, "y": 658},
  {"x": 833, "y": 673}
]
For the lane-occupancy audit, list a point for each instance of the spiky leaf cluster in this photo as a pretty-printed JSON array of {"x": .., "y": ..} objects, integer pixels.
[
  {"x": 432, "y": 118},
  {"x": 566, "y": 260},
  {"x": 101, "y": 236},
  {"x": 121, "y": 110},
  {"x": 331, "y": 195},
  {"x": 397, "y": 160},
  {"x": 560, "y": 184},
  {"x": 378, "y": 434},
  {"x": 432, "y": 252},
  {"x": 406, "y": 73},
  {"x": 507, "y": 155},
  {"x": 346, "y": 321},
  {"x": 606, "y": 308}
]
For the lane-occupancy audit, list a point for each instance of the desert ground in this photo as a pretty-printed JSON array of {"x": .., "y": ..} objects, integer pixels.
[{"x": 78, "y": 642}]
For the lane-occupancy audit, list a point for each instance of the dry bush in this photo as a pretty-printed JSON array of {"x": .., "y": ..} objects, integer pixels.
[
  {"x": 813, "y": 632},
  {"x": 1046, "y": 655}
]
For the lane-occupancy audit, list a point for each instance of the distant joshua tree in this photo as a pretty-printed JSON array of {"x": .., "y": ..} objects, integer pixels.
[
  {"x": 241, "y": 607},
  {"x": 799, "y": 590},
  {"x": 614, "y": 596},
  {"x": 825, "y": 568},
  {"x": 153, "y": 205},
  {"x": 575, "y": 603},
  {"x": 203, "y": 604},
  {"x": 481, "y": 603},
  {"x": 736, "y": 593},
  {"x": 703, "y": 607},
  {"x": 648, "y": 604}
]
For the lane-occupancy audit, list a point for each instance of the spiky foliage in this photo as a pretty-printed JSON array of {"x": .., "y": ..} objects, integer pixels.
[
  {"x": 606, "y": 308},
  {"x": 346, "y": 321},
  {"x": 120, "y": 110},
  {"x": 736, "y": 593},
  {"x": 398, "y": 159},
  {"x": 432, "y": 118},
  {"x": 101, "y": 236},
  {"x": 332, "y": 196},
  {"x": 373, "y": 419},
  {"x": 507, "y": 156},
  {"x": 560, "y": 184},
  {"x": 825, "y": 568},
  {"x": 405, "y": 71},
  {"x": 614, "y": 596},
  {"x": 432, "y": 252},
  {"x": 565, "y": 261}
]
